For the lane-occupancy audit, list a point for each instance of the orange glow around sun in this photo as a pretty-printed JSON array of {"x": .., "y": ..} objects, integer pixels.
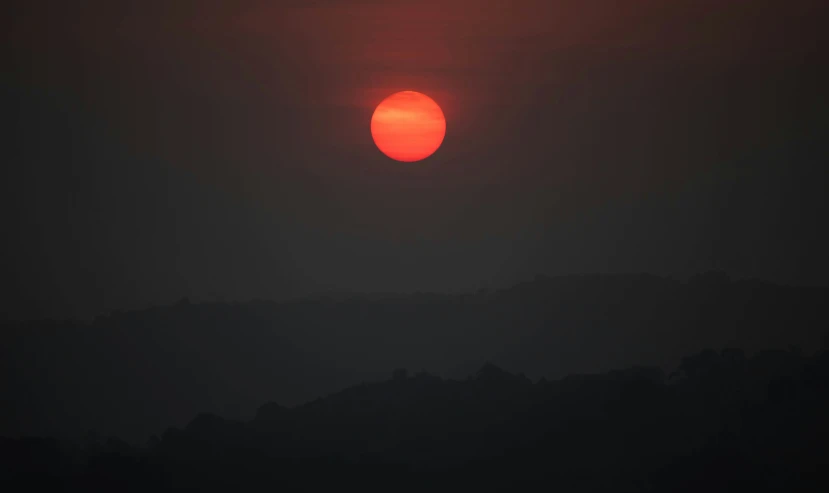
[{"x": 408, "y": 126}]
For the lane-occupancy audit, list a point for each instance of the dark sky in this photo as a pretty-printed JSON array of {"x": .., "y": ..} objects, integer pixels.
[{"x": 155, "y": 150}]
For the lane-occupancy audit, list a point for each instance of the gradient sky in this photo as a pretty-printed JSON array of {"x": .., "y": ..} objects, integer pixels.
[{"x": 156, "y": 150}]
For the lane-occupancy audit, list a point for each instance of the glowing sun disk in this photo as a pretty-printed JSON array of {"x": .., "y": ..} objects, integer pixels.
[{"x": 408, "y": 126}]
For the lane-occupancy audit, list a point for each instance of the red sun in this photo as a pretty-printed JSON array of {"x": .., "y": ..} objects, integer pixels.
[{"x": 408, "y": 126}]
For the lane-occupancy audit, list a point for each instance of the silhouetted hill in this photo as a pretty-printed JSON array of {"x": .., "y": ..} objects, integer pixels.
[
  {"x": 725, "y": 422},
  {"x": 132, "y": 374}
]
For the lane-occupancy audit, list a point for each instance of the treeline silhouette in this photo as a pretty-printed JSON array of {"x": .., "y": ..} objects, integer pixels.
[
  {"x": 133, "y": 374},
  {"x": 722, "y": 421}
]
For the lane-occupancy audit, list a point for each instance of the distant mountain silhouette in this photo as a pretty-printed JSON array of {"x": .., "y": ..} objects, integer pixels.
[{"x": 133, "y": 374}]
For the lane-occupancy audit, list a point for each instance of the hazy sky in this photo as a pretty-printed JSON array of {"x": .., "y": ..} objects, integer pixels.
[{"x": 213, "y": 149}]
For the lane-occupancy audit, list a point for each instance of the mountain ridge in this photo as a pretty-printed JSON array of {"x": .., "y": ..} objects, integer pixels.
[{"x": 175, "y": 361}]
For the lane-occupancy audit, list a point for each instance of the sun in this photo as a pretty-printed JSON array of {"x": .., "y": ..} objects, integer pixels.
[{"x": 408, "y": 126}]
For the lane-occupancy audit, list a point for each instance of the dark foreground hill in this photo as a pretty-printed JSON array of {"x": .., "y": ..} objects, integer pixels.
[
  {"x": 722, "y": 422},
  {"x": 133, "y": 374}
]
